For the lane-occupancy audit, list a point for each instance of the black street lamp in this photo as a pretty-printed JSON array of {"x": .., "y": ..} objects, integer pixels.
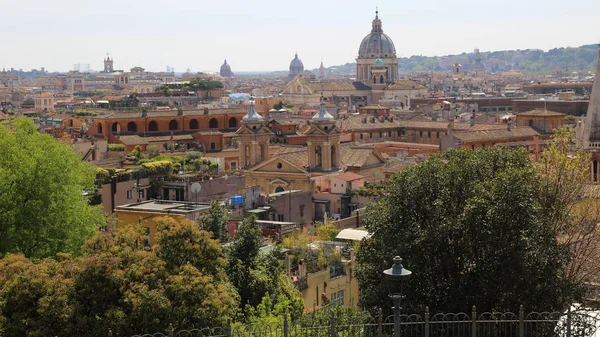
[{"x": 394, "y": 279}]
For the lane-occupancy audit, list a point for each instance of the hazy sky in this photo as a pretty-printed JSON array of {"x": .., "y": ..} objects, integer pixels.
[{"x": 257, "y": 35}]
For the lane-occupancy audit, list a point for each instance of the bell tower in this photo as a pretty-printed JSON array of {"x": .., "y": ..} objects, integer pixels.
[
  {"x": 323, "y": 139},
  {"x": 253, "y": 139},
  {"x": 108, "y": 64}
]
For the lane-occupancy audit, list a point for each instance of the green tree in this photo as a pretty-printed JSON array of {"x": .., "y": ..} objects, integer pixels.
[
  {"x": 42, "y": 208},
  {"x": 471, "y": 227},
  {"x": 215, "y": 222},
  {"x": 572, "y": 206},
  {"x": 118, "y": 283}
]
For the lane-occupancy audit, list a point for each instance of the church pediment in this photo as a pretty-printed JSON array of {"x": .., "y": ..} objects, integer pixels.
[
  {"x": 318, "y": 131},
  {"x": 297, "y": 87},
  {"x": 278, "y": 165},
  {"x": 245, "y": 130}
]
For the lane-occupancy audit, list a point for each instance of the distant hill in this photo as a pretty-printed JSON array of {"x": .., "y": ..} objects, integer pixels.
[{"x": 529, "y": 61}]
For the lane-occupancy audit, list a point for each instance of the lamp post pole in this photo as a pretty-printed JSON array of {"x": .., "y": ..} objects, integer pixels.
[{"x": 395, "y": 278}]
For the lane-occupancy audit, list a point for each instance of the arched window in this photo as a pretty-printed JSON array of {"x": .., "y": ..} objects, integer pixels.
[
  {"x": 318, "y": 156},
  {"x": 381, "y": 79},
  {"x": 152, "y": 126},
  {"x": 232, "y": 123},
  {"x": 213, "y": 123},
  {"x": 115, "y": 127},
  {"x": 173, "y": 125},
  {"x": 194, "y": 124},
  {"x": 530, "y": 122},
  {"x": 131, "y": 127},
  {"x": 279, "y": 189},
  {"x": 99, "y": 128}
]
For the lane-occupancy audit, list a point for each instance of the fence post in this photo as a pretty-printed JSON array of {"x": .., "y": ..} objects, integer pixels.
[
  {"x": 474, "y": 322},
  {"x": 521, "y": 321},
  {"x": 110, "y": 333},
  {"x": 426, "y": 321},
  {"x": 228, "y": 328},
  {"x": 171, "y": 329},
  {"x": 332, "y": 327},
  {"x": 379, "y": 323},
  {"x": 285, "y": 324},
  {"x": 569, "y": 322}
]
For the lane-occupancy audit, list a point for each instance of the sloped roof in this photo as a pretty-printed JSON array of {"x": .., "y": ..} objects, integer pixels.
[
  {"x": 348, "y": 176},
  {"x": 498, "y": 134},
  {"x": 405, "y": 85},
  {"x": 541, "y": 113},
  {"x": 133, "y": 140}
]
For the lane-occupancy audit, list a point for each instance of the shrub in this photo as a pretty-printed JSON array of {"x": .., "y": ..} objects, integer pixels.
[
  {"x": 158, "y": 167},
  {"x": 116, "y": 147}
]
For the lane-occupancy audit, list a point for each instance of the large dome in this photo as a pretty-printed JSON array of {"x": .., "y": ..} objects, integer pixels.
[{"x": 377, "y": 44}]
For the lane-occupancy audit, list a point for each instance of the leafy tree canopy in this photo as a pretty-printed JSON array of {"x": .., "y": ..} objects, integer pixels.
[
  {"x": 42, "y": 207},
  {"x": 471, "y": 227},
  {"x": 119, "y": 284}
]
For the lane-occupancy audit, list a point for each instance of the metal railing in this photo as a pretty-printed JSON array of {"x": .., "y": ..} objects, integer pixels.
[{"x": 578, "y": 323}]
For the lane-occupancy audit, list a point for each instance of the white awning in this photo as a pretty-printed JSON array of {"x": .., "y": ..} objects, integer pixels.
[{"x": 352, "y": 234}]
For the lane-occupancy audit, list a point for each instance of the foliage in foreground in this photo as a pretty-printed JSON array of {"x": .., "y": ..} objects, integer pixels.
[
  {"x": 42, "y": 208},
  {"x": 472, "y": 228},
  {"x": 119, "y": 284}
]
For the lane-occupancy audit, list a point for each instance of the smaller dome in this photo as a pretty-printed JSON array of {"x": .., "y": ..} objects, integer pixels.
[
  {"x": 252, "y": 115},
  {"x": 322, "y": 115},
  {"x": 225, "y": 70},
  {"x": 378, "y": 62},
  {"x": 296, "y": 62}
]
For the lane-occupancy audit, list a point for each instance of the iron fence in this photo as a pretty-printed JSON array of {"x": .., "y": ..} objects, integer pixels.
[{"x": 577, "y": 323}]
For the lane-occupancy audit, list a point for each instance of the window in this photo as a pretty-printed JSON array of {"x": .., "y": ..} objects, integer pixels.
[
  {"x": 420, "y": 134},
  {"x": 361, "y": 136},
  {"x": 389, "y": 133},
  {"x": 371, "y": 135},
  {"x": 279, "y": 217},
  {"x": 142, "y": 192},
  {"x": 301, "y": 211},
  {"x": 213, "y": 145},
  {"x": 129, "y": 195},
  {"x": 337, "y": 298},
  {"x": 437, "y": 134},
  {"x": 334, "y": 185},
  {"x": 428, "y": 134},
  {"x": 233, "y": 165}
]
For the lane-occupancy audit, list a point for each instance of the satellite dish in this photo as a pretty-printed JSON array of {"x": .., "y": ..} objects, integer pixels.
[{"x": 196, "y": 188}]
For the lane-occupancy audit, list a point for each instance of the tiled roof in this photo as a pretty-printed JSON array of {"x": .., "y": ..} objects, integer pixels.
[
  {"x": 348, "y": 176},
  {"x": 133, "y": 140},
  {"x": 353, "y": 156},
  {"x": 405, "y": 85},
  {"x": 498, "y": 134},
  {"x": 336, "y": 86},
  {"x": 166, "y": 138},
  {"x": 541, "y": 113}
]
